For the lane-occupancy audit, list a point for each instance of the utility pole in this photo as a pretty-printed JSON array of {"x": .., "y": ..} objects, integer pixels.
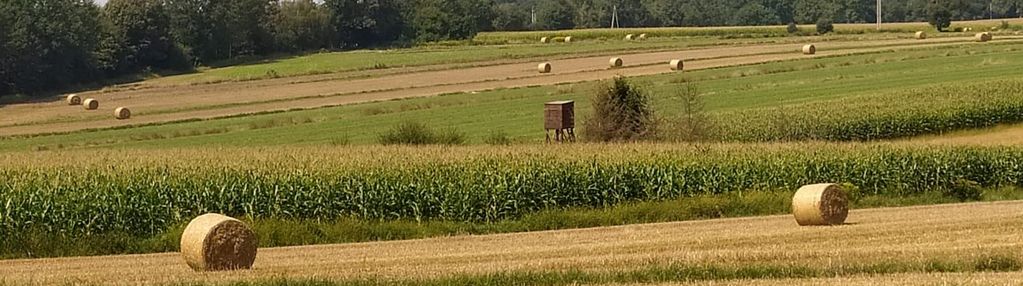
[
  {"x": 614, "y": 18},
  {"x": 878, "y": 15},
  {"x": 532, "y": 17}
]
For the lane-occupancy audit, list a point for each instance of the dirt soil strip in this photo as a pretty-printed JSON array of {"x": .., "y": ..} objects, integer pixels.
[
  {"x": 217, "y": 100},
  {"x": 913, "y": 234}
]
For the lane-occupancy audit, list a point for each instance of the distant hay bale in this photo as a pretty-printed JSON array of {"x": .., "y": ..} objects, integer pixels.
[
  {"x": 642, "y": 37},
  {"x": 568, "y": 39},
  {"x": 214, "y": 242},
  {"x": 74, "y": 99},
  {"x": 677, "y": 65},
  {"x": 982, "y": 37},
  {"x": 90, "y": 104},
  {"x": 920, "y": 35},
  {"x": 544, "y": 68},
  {"x": 820, "y": 204},
  {"x": 629, "y": 37},
  {"x": 122, "y": 113},
  {"x": 809, "y": 49},
  {"x": 545, "y": 40},
  {"x": 616, "y": 62}
]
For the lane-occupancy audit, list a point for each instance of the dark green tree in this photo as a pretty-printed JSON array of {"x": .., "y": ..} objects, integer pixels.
[
  {"x": 302, "y": 25},
  {"x": 510, "y": 17},
  {"x": 137, "y": 35},
  {"x": 363, "y": 23},
  {"x": 553, "y": 15},
  {"x": 47, "y": 44},
  {"x": 939, "y": 14}
]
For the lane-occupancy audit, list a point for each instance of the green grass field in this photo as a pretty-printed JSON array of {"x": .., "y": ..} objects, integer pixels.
[
  {"x": 465, "y": 55},
  {"x": 515, "y": 112}
]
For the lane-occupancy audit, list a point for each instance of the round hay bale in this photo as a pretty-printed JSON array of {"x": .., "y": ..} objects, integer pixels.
[
  {"x": 122, "y": 113},
  {"x": 90, "y": 104},
  {"x": 982, "y": 37},
  {"x": 629, "y": 37},
  {"x": 215, "y": 242},
  {"x": 920, "y": 35},
  {"x": 820, "y": 204},
  {"x": 74, "y": 99},
  {"x": 616, "y": 62},
  {"x": 642, "y": 37},
  {"x": 545, "y": 40},
  {"x": 568, "y": 39},
  {"x": 544, "y": 68},
  {"x": 677, "y": 65},
  {"x": 809, "y": 49}
]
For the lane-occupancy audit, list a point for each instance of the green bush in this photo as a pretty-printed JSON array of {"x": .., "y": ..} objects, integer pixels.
[
  {"x": 792, "y": 28},
  {"x": 965, "y": 190},
  {"x": 621, "y": 112},
  {"x": 416, "y": 133},
  {"x": 825, "y": 26}
]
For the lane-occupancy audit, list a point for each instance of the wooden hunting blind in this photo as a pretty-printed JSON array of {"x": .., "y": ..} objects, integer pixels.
[{"x": 559, "y": 116}]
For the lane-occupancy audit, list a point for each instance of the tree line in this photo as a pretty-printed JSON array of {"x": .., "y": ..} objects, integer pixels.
[
  {"x": 48, "y": 44},
  {"x": 565, "y": 14}
]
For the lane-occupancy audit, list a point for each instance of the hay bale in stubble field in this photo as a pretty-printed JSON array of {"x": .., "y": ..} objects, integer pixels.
[
  {"x": 74, "y": 99},
  {"x": 544, "y": 67},
  {"x": 545, "y": 40},
  {"x": 642, "y": 37},
  {"x": 568, "y": 39},
  {"x": 215, "y": 242},
  {"x": 920, "y": 35},
  {"x": 820, "y": 204},
  {"x": 616, "y": 62},
  {"x": 629, "y": 37},
  {"x": 677, "y": 65},
  {"x": 809, "y": 49},
  {"x": 122, "y": 113},
  {"x": 90, "y": 104},
  {"x": 983, "y": 37}
]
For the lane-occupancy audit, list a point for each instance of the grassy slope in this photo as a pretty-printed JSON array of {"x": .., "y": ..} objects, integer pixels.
[{"x": 514, "y": 111}]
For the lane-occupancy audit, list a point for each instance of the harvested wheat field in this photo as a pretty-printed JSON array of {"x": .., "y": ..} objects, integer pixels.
[
  {"x": 983, "y": 278},
  {"x": 218, "y": 100},
  {"x": 895, "y": 240}
]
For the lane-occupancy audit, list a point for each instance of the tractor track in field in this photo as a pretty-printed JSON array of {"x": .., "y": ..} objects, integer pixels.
[
  {"x": 958, "y": 232},
  {"x": 168, "y": 104}
]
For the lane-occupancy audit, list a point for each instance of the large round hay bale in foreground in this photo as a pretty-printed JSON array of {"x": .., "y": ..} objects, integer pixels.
[
  {"x": 809, "y": 49},
  {"x": 820, "y": 204},
  {"x": 920, "y": 35},
  {"x": 544, "y": 67},
  {"x": 982, "y": 37},
  {"x": 90, "y": 104},
  {"x": 215, "y": 242},
  {"x": 676, "y": 65},
  {"x": 616, "y": 62},
  {"x": 122, "y": 113},
  {"x": 74, "y": 99},
  {"x": 629, "y": 37}
]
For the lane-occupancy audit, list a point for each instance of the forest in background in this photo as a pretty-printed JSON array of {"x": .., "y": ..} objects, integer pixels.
[{"x": 47, "y": 45}]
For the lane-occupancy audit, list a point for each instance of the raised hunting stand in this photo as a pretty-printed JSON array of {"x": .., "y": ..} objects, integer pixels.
[{"x": 559, "y": 116}]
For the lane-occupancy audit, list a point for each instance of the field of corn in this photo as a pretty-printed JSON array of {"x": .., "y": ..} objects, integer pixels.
[
  {"x": 880, "y": 115},
  {"x": 144, "y": 192}
]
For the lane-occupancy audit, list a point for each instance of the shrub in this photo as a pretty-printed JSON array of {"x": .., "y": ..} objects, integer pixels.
[
  {"x": 693, "y": 124},
  {"x": 825, "y": 26},
  {"x": 965, "y": 190},
  {"x": 498, "y": 138},
  {"x": 621, "y": 113},
  {"x": 792, "y": 28},
  {"x": 415, "y": 133}
]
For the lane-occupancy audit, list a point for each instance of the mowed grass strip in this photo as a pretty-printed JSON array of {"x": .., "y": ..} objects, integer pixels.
[{"x": 515, "y": 113}]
